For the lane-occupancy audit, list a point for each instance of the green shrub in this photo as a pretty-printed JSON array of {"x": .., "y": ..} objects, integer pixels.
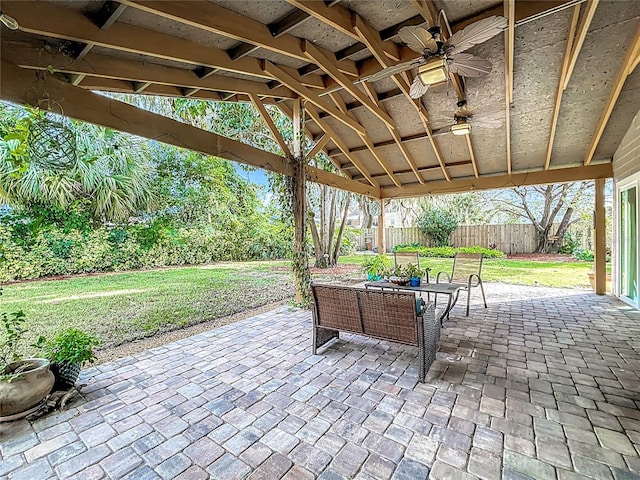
[
  {"x": 449, "y": 252},
  {"x": 437, "y": 224},
  {"x": 585, "y": 255}
]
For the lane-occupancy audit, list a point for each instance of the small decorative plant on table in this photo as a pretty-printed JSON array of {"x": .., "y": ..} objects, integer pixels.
[
  {"x": 376, "y": 266},
  {"x": 399, "y": 275},
  {"x": 68, "y": 352},
  {"x": 416, "y": 274}
]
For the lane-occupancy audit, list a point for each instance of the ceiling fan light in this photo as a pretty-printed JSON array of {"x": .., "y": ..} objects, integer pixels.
[
  {"x": 461, "y": 128},
  {"x": 433, "y": 72}
]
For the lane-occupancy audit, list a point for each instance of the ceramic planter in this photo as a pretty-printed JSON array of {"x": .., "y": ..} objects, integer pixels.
[{"x": 26, "y": 390}]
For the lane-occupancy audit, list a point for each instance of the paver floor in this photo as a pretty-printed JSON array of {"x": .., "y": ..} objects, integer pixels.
[{"x": 542, "y": 384}]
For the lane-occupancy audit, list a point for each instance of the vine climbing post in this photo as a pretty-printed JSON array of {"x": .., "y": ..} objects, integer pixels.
[
  {"x": 297, "y": 194},
  {"x": 381, "y": 245}
]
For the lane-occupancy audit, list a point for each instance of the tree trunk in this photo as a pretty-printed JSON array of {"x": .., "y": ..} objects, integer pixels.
[{"x": 338, "y": 244}]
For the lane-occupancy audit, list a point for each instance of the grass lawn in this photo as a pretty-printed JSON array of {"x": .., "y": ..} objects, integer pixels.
[
  {"x": 121, "y": 307},
  {"x": 520, "y": 272}
]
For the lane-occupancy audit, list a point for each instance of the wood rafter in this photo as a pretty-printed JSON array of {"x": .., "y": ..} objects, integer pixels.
[
  {"x": 382, "y": 161},
  {"x": 328, "y": 65},
  {"x": 27, "y": 87},
  {"x": 215, "y": 19},
  {"x": 339, "y": 18},
  {"x": 509, "y": 13},
  {"x": 472, "y": 154},
  {"x": 335, "y": 138},
  {"x": 108, "y": 66},
  {"x": 562, "y": 83},
  {"x": 602, "y": 170},
  {"x": 625, "y": 69},
  {"x": 589, "y": 12},
  {"x": 372, "y": 40},
  {"x": 395, "y": 134},
  {"x": 44, "y": 18},
  {"x": 311, "y": 96},
  {"x": 318, "y": 147},
  {"x": 270, "y": 124}
]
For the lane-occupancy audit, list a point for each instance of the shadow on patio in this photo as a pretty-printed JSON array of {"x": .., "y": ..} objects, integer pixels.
[{"x": 542, "y": 384}]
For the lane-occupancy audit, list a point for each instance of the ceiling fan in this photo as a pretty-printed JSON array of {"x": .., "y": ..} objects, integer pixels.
[
  {"x": 439, "y": 57},
  {"x": 464, "y": 118}
]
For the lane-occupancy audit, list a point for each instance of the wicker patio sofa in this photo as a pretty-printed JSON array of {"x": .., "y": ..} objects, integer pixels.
[{"x": 379, "y": 314}]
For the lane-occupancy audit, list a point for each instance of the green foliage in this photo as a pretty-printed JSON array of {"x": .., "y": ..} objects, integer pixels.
[
  {"x": 13, "y": 329},
  {"x": 376, "y": 265},
  {"x": 438, "y": 224},
  {"x": 584, "y": 255},
  {"x": 448, "y": 252},
  {"x": 569, "y": 244},
  {"x": 414, "y": 272},
  {"x": 71, "y": 346}
]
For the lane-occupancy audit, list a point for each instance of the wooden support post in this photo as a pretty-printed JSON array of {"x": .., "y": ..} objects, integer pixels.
[
  {"x": 298, "y": 207},
  {"x": 381, "y": 245},
  {"x": 600, "y": 266}
]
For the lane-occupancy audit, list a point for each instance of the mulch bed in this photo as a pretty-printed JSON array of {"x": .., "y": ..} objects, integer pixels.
[{"x": 543, "y": 257}]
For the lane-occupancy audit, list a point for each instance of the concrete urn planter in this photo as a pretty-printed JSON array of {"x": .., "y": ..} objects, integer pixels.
[
  {"x": 19, "y": 395},
  {"x": 592, "y": 281}
]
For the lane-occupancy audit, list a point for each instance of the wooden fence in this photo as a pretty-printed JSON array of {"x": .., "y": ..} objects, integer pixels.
[{"x": 510, "y": 238}]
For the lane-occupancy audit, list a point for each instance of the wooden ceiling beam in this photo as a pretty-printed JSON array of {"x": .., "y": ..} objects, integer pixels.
[
  {"x": 215, "y": 19},
  {"x": 328, "y": 65},
  {"x": 562, "y": 83},
  {"x": 335, "y": 138},
  {"x": 286, "y": 150},
  {"x": 472, "y": 154},
  {"x": 108, "y": 66},
  {"x": 382, "y": 161},
  {"x": 509, "y": 37},
  {"x": 386, "y": 143},
  {"x": 487, "y": 182},
  {"x": 311, "y": 96},
  {"x": 581, "y": 34},
  {"x": 625, "y": 70},
  {"x": 27, "y": 87},
  {"x": 395, "y": 134},
  {"x": 462, "y": 163},
  {"x": 339, "y": 18},
  {"x": 47, "y": 19},
  {"x": 318, "y": 147}
]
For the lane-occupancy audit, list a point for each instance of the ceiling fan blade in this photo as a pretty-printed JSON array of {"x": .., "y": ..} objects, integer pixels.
[
  {"x": 490, "y": 118},
  {"x": 418, "y": 88},
  {"x": 468, "y": 65},
  {"x": 418, "y": 39},
  {"x": 399, "y": 68},
  {"x": 474, "y": 34}
]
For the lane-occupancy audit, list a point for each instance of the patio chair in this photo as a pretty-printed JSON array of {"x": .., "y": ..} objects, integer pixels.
[
  {"x": 402, "y": 258},
  {"x": 466, "y": 271}
]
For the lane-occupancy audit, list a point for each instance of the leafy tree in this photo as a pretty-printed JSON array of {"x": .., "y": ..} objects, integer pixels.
[
  {"x": 543, "y": 205},
  {"x": 110, "y": 175},
  {"x": 438, "y": 224}
]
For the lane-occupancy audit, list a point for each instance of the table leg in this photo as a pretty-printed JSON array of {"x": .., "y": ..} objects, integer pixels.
[{"x": 450, "y": 304}]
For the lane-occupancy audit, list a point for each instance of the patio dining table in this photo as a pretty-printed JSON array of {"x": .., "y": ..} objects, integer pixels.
[{"x": 452, "y": 290}]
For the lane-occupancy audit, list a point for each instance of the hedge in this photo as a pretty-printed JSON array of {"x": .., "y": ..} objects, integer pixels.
[{"x": 447, "y": 252}]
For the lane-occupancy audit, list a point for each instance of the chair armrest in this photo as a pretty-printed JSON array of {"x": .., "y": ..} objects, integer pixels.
[
  {"x": 470, "y": 279},
  {"x": 445, "y": 274}
]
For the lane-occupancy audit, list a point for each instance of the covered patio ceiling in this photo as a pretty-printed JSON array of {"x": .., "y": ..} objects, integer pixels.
[{"x": 563, "y": 84}]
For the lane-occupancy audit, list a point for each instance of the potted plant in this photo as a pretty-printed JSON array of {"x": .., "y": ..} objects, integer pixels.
[
  {"x": 375, "y": 266},
  {"x": 399, "y": 275},
  {"x": 24, "y": 383},
  {"x": 415, "y": 274},
  {"x": 68, "y": 352}
]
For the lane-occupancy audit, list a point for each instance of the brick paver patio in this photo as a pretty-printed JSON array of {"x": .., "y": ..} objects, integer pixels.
[{"x": 542, "y": 384}]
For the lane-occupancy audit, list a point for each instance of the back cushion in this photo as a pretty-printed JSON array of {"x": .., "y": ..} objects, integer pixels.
[
  {"x": 390, "y": 315},
  {"x": 337, "y": 308}
]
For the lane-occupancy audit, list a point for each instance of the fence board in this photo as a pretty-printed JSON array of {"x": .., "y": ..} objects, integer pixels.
[{"x": 510, "y": 238}]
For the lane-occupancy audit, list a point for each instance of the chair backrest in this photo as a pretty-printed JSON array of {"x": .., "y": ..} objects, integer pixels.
[
  {"x": 402, "y": 258},
  {"x": 381, "y": 314},
  {"x": 389, "y": 315},
  {"x": 337, "y": 307},
  {"x": 465, "y": 264}
]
